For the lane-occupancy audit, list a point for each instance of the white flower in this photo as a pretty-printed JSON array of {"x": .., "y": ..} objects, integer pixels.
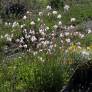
[
  {"x": 20, "y": 46},
  {"x": 55, "y": 26},
  {"x": 54, "y": 12},
  {"x": 66, "y": 7},
  {"x": 17, "y": 40},
  {"x": 89, "y": 31},
  {"x": 1, "y": 36},
  {"x": 85, "y": 53},
  {"x": 65, "y": 27},
  {"x": 55, "y": 45},
  {"x": 59, "y": 16},
  {"x": 27, "y": 36},
  {"x": 75, "y": 33},
  {"x": 81, "y": 35},
  {"x": 38, "y": 19},
  {"x": 9, "y": 23},
  {"x": 47, "y": 28},
  {"x": 6, "y": 24},
  {"x": 6, "y": 35},
  {"x": 25, "y": 17},
  {"x": 28, "y": 12},
  {"x": 9, "y": 39},
  {"x": 71, "y": 27},
  {"x": 66, "y": 33},
  {"x": 15, "y": 24},
  {"x": 21, "y": 40},
  {"x": 40, "y": 39},
  {"x": 25, "y": 46},
  {"x": 33, "y": 38},
  {"x": 19, "y": 57},
  {"x": 35, "y": 53},
  {"x": 40, "y": 58},
  {"x": 79, "y": 47},
  {"x": 29, "y": 50},
  {"x": 51, "y": 46},
  {"x": 38, "y": 45},
  {"x": 62, "y": 41},
  {"x": 47, "y": 42},
  {"x": 61, "y": 35},
  {"x": 59, "y": 23},
  {"x": 48, "y": 7},
  {"x": 31, "y": 32},
  {"x": 53, "y": 34},
  {"x": 78, "y": 43},
  {"x": 49, "y": 14},
  {"x": 40, "y": 13},
  {"x": 41, "y": 30},
  {"x": 40, "y": 50},
  {"x": 25, "y": 30},
  {"x": 73, "y": 19},
  {"x": 68, "y": 40},
  {"x": 43, "y": 33},
  {"x": 44, "y": 43},
  {"x": 22, "y": 25},
  {"x": 32, "y": 23}
]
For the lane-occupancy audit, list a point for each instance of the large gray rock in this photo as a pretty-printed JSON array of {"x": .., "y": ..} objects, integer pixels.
[
  {"x": 87, "y": 24},
  {"x": 81, "y": 80}
]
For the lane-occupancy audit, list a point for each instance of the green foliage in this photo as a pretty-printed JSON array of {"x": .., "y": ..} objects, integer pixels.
[
  {"x": 29, "y": 73},
  {"x": 33, "y": 75},
  {"x": 88, "y": 40},
  {"x": 80, "y": 11},
  {"x": 56, "y": 4}
]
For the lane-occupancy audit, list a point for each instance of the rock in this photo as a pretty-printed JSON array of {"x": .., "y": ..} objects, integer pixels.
[
  {"x": 87, "y": 24},
  {"x": 10, "y": 49},
  {"x": 81, "y": 81},
  {"x": 15, "y": 9}
]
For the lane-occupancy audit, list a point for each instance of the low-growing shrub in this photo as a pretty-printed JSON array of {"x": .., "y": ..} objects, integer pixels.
[{"x": 33, "y": 76}]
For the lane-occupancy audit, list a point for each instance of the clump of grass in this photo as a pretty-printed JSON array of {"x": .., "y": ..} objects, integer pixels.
[{"x": 32, "y": 74}]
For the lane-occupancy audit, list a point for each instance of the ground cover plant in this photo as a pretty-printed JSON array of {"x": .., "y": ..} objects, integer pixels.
[{"x": 40, "y": 48}]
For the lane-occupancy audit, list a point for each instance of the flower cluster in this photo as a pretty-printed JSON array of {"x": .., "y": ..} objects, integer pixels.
[{"x": 37, "y": 36}]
